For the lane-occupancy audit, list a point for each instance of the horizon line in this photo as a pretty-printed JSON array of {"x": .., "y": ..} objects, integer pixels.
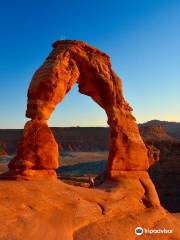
[{"x": 78, "y": 126}]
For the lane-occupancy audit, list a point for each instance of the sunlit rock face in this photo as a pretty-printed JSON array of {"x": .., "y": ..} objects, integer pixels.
[
  {"x": 37, "y": 148},
  {"x": 36, "y": 151},
  {"x": 73, "y": 62}
]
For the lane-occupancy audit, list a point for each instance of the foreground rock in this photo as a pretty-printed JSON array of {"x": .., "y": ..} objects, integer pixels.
[{"x": 50, "y": 210}]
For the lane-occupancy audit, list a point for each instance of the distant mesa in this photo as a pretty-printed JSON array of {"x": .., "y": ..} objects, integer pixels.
[
  {"x": 93, "y": 138},
  {"x": 151, "y": 133},
  {"x": 171, "y": 128}
]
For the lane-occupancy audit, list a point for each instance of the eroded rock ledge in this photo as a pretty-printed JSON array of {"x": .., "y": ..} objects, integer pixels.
[{"x": 50, "y": 210}]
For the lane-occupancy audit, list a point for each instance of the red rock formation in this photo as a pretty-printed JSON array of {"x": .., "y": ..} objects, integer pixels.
[
  {"x": 153, "y": 154},
  {"x": 151, "y": 133},
  {"x": 73, "y": 62},
  {"x": 2, "y": 152},
  {"x": 37, "y": 150},
  {"x": 51, "y": 210}
]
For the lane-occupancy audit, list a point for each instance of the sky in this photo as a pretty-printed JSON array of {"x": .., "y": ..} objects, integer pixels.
[{"x": 142, "y": 37}]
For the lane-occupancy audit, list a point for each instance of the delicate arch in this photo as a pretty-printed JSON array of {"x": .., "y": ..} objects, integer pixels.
[{"x": 73, "y": 62}]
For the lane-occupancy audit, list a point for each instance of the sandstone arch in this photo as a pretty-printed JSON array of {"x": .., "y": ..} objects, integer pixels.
[{"x": 73, "y": 62}]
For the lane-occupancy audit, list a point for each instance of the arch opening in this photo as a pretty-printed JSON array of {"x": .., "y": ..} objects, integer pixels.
[
  {"x": 82, "y": 137},
  {"x": 78, "y": 110}
]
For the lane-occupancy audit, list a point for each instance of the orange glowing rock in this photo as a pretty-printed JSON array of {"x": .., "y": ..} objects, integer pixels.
[
  {"x": 37, "y": 149},
  {"x": 73, "y": 62}
]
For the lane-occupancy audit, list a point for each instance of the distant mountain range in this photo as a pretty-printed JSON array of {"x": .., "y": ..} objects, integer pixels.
[
  {"x": 92, "y": 138},
  {"x": 68, "y": 138},
  {"x": 171, "y": 129}
]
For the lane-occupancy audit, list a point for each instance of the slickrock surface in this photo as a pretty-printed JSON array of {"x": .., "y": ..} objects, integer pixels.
[{"x": 52, "y": 210}]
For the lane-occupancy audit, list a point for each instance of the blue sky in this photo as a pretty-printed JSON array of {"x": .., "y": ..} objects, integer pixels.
[{"x": 142, "y": 38}]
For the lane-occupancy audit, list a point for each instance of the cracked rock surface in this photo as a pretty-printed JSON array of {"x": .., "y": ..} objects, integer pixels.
[{"x": 53, "y": 210}]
